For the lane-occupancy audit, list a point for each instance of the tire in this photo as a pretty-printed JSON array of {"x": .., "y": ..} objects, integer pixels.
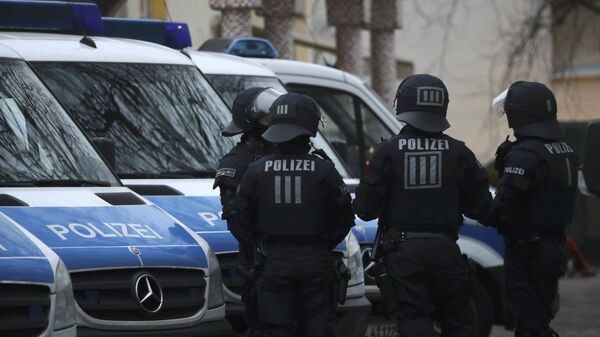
[{"x": 484, "y": 309}]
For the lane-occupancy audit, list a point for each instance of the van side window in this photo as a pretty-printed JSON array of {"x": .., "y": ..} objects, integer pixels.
[{"x": 351, "y": 127}]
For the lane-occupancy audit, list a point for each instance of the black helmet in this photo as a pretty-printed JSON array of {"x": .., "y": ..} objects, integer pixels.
[
  {"x": 250, "y": 109},
  {"x": 422, "y": 102},
  {"x": 290, "y": 116},
  {"x": 531, "y": 110}
]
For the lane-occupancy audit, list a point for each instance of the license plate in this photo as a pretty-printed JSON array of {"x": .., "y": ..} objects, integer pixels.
[{"x": 381, "y": 330}]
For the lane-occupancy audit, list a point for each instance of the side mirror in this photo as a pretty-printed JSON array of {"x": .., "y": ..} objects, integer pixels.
[
  {"x": 106, "y": 148},
  {"x": 591, "y": 157}
]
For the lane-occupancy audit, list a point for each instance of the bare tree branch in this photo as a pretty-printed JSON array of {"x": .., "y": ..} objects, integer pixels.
[
  {"x": 591, "y": 5},
  {"x": 446, "y": 38}
]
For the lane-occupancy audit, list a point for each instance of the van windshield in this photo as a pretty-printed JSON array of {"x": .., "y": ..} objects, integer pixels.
[
  {"x": 165, "y": 120},
  {"x": 39, "y": 143}
]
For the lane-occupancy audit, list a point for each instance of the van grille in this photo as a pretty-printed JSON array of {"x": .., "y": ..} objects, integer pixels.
[
  {"x": 110, "y": 295},
  {"x": 230, "y": 271},
  {"x": 23, "y": 310}
]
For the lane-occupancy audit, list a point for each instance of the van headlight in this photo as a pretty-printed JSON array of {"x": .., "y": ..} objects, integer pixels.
[
  {"x": 64, "y": 313},
  {"x": 215, "y": 284},
  {"x": 354, "y": 261}
]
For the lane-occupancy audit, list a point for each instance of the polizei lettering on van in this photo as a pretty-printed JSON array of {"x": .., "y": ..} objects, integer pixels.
[
  {"x": 423, "y": 144},
  {"x": 105, "y": 230},
  {"x": 285, "y": 165}
]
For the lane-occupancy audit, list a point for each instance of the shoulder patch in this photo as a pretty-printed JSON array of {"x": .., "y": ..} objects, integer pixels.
[
  {"x": 225, "y": 172},
  {"x": 514, "y": 170}
]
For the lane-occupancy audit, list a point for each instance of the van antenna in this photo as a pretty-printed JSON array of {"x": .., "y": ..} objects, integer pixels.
[
  {"x": 86, "y": 40},
  {"x": 171, "y": 19},
  {"x": 167, "y": 9},
  {"x": 314, "y": 40}
]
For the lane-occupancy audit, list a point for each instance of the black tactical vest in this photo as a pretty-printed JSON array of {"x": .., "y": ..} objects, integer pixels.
[
  {"x": 552, "y": 193},
  {"x": 426, "y": 175},
  {"x": 291, "y": 195}
]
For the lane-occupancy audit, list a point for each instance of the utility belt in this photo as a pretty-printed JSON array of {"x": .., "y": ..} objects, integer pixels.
[
  {"x": 305, "y": 240},
  {"x": 392, "y": 237}
]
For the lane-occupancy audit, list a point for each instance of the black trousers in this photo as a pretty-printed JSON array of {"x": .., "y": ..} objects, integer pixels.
[
  {"x": 532, "y": 271},
  {"x": 295, "y": 292},
  {"x": 430, "y": 277},
  {"x": 250, "y": 300},
  {"x": 251, "y": 272}
]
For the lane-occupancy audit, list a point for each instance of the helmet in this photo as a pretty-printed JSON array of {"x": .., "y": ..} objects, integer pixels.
[
  {"x": 530, "y": 108},
  {"x": 250, "y": 110},
  {"x": 292, "y": 115},
  {"x": 422, "y": 102}
]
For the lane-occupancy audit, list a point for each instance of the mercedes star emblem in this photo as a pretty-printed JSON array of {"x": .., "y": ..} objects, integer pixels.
[
  {"x": 148, "y": 293},
  {"x": 134, "y": 250}
]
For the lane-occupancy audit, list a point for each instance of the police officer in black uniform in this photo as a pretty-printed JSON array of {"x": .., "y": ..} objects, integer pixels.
[
  {"x": 533, "y": 203},
  {"x": 299, "y": 208},
  {"x": 250, "y": 111},
  {"x": 420, "y": 183}
]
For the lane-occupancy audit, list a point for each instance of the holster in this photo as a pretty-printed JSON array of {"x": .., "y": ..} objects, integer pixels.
[
  {"x": 342, "y": 276},
  {"x": 386, "y": 287}
]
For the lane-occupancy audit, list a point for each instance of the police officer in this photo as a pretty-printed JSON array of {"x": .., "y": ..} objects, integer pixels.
[
  {"x": 533, "y": 203},
  {"x": 419, "y": 183},
  {"x": 250, "y": 111},
  {"x": 299, "y": 208}
]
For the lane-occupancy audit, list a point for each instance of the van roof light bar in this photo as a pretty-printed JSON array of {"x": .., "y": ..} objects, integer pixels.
[
  {"x": 244, "y": 46},
  {"x": 51, "y": 16},
  {"x": 172, "y": 34}
]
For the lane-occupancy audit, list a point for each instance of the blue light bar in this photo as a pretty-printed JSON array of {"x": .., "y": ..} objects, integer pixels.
[
  {"x": 252, "y": 47},
  {"x": 175, "y": 35},
  {"x": 50, "y": 16},
  {"x": 246, "y": 46}
]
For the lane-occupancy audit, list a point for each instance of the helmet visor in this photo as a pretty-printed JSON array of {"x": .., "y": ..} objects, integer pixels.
[
  {"x": 262, "y": 103},
  {"x": 498, "y": 104}
]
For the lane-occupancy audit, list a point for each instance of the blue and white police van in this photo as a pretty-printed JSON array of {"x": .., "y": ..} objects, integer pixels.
[
  {"x": 342, "y": 97},
  {"x": 135, "y": 270},
  {"x": 36, "y": 297},
  {"x": 164, "y": 120}
]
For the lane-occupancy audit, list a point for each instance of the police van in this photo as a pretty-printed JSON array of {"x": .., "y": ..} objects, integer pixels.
[
  {"x": 344, "y": 99},
  {"x": 135, "y": 270},
  {"x": 35, "y": 287},
  {"x": 161, "y": 121}
]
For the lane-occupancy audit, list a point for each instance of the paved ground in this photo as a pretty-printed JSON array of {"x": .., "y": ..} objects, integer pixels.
[{"x": 579, "y": 315}]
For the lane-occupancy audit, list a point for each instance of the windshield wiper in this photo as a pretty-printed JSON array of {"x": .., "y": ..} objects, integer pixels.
[
  {"x": 167, "y": 175},
  {"x": 55, "y": 182}
]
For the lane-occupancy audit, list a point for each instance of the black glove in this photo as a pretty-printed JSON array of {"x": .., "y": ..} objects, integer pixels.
[
  {"x": 503, "y": 211},
  {"x": 501, "y": 152}
]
